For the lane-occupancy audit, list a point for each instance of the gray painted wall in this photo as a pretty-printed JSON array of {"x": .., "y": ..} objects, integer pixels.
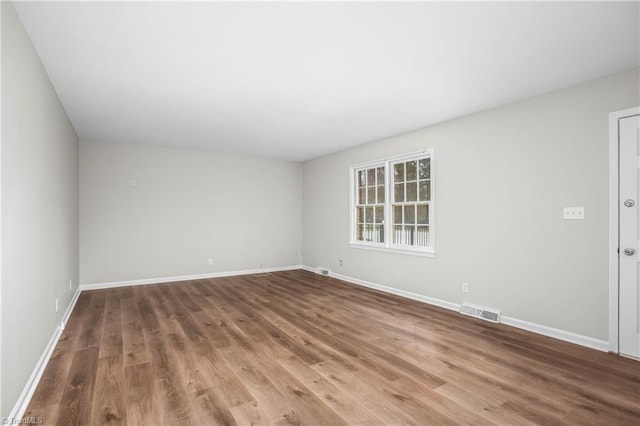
[
  {"x": 186, "y": 207},
  {"x": 39, "y": 208},
  {"x": 502, "y": 178}
]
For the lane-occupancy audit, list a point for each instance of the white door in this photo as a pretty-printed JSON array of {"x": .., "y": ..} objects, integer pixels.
[{"x": 629, "y": 236}]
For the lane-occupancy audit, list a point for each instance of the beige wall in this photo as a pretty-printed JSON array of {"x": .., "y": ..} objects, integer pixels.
[
  {"x": 187, "y": 206},
  {"x": 39, "y": 208},
  {"x": 502, "y": 178}
]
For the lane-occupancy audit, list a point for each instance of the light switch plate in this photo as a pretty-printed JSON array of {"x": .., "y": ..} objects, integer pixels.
[{"x": 573, "y": 213}]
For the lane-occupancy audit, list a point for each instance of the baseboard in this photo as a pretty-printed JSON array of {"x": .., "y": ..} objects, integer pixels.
[
  {"x": 567, "y": 336},
  {"x": 409, "y": 295},
  {"x": 67, "y": 313},
  {"x": 308, "y": 268},
  {"x": 99, "y": 286},
  {"x": 29, "y": 389}
]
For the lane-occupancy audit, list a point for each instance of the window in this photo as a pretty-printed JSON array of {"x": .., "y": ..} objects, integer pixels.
[{"x": 396, "y": 192}]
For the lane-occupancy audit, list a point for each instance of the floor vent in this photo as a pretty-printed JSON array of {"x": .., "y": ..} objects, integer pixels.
[
  {"x": 486, "y": 314},
  {"x": 323, "y": 271}
]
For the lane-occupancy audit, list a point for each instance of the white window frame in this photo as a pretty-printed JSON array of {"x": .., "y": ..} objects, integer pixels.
[{"x": 388, "y": 244}]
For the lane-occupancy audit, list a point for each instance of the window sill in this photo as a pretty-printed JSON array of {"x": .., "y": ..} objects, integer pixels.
[{"x": 393, "y": 250}]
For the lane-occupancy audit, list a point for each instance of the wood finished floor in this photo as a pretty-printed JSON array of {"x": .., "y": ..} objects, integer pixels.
[{"x": 298, "y": 348}]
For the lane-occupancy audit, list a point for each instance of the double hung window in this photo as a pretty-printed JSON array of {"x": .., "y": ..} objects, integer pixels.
[{"x": 392, "y": 206}]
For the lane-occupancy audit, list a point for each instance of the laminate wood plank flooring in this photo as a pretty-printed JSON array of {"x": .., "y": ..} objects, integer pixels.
[{"x": 299, "y": 348}]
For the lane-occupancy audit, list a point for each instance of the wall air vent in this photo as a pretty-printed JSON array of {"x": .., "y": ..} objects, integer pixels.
[
  {"x": 486, "y": 314},
  {"x": 323, "y": 271}
]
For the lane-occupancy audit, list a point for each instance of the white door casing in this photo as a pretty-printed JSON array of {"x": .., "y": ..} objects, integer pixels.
[{"x": 629, "y": 236}]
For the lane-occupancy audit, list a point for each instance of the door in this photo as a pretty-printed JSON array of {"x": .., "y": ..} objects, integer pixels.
[{"x": 629, "y": 236}]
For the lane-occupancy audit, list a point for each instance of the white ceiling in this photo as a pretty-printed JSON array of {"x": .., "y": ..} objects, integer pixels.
[{"x": 300, "y": 80}]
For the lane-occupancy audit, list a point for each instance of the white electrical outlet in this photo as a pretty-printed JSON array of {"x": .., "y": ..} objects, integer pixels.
[
  {"x": 57, "y": 307},
  {"x": 465, "y": 287},
  {"x": 573, "y": 213},
  {"x": 340, "y": 262},
  {"x": 210, "y": 261}
]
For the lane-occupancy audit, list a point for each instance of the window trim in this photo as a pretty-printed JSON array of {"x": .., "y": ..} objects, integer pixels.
[{"x": 387, "y": 245}]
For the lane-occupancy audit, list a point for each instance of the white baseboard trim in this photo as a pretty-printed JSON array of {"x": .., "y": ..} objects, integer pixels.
[
  {"x": 309, "y": 268},
  {"x": 409, "y": 295},
  {"x": 67, "y": 313},
  {"x": 567, "y": 336},
  {"x": 29, "y": 389},
  {"x": 100, "y": 286}
]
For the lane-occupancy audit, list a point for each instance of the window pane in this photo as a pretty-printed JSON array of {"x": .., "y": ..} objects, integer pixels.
[
  {"x": 371, "y": 195},
  {"x": 403, "y": 235},
  {"x": 398, "y": 172},
  {"x": 422, "y": 236},
  {"x": 368, "y": 233},
  {"x": 373, "y": 233},
  {"x": 362, "y": 178},
  {"x": 397, "y": 234},
  {"x": 425, "y": 190},
  {"x": 360, "y": 215},
  {"x": 398, "y": 192},
  {"x": 410, "y": 235},
  {"x": 423, "y": 214},
  {"x": 362, "y": 196},
  {"x": 380, "y": 194},
  {"x": 379, "y": 214},
  {"x": 412, "y": 173},
  {"x": 371, "y": 177},
  {"x": 360, "y": 232},
  {"x": 425, "y": 168},
  {"x": 412, "y": 189},
  {"x": 380, "y": 175},
  {"x": 368, "y": 216},
  {"x": 379, "y": 232},
  {"x": 409, "y": 215},
  {"x": 397, "y": 214}
]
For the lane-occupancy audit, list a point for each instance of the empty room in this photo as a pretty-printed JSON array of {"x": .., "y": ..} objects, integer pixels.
[{"x": 320, "y": 213}]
